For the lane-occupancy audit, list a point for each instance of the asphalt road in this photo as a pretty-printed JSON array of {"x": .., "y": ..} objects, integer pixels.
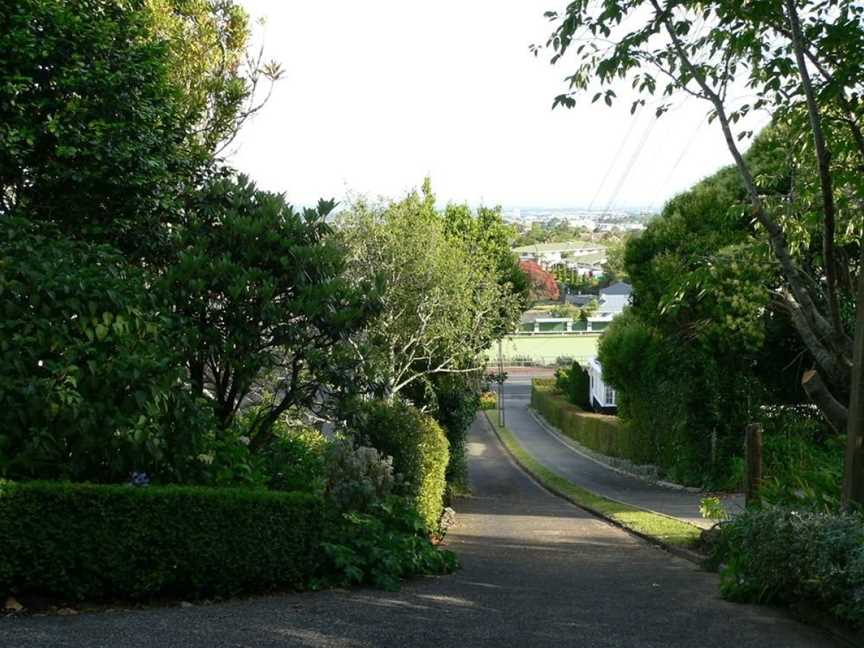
[
  {"x": 537, "y": 572},
  {"x": 560, "y": 457}
]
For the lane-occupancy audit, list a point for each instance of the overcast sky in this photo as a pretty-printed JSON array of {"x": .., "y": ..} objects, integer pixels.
[{"x": 378, "y": 94}]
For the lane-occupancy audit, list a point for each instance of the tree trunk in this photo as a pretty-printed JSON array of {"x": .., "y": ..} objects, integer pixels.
[{"x": 853, "y": 474}]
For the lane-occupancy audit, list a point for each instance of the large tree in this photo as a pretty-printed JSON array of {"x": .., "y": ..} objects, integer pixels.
[
  {"x": 442, "y": 301},
  {"x": 263, "y": 304},
  {"x": 803, "y": 62},
  {"x": 113, "y": 109}
]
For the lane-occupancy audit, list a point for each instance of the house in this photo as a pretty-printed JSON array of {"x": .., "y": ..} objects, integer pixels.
[
  {"x": 601, "y": 395},
  {"x": 613, "y": 300}
]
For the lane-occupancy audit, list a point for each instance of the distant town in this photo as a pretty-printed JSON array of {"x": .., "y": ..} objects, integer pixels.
[{"x": 590, "y": 220}]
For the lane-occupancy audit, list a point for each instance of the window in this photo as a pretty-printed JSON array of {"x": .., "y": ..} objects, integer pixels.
[{"x": 610, "y": 395}]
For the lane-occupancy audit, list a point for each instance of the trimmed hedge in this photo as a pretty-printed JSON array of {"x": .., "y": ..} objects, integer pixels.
[
  {"x": 85, "y": 541},
  {"x": 419, "y": 449},
  {"x": 599, "y": 432}
]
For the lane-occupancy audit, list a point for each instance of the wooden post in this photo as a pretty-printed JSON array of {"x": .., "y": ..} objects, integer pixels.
[{"x": 753, "y": 452}]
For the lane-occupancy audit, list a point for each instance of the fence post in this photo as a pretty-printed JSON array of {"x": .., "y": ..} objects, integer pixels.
[{"x": 753, "y": 452}]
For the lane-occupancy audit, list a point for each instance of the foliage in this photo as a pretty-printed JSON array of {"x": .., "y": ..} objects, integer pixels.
[
  {"x": 90, "y": 114},
  {"x": 489, "y": 239},
  {"x": 263, "y": 303},
  {"x": 419, "y": 449},
  {"x": 452, "y": 400},
  {"x": 76, "y": 541},
  {"x": 358, "y": 477},
  {"x": 208, "y": 46},
  {"x": 802, "y": 459},
  {"x": 297, "y": 459},
  {"x": 488, "y": 400},
  {"x": 777, "y": 555},
  {"x": 440, "y": 306},
  {"x": 381, "y": 546},
  {"x": 701, "y": 348},
  {"x": 575, "y": 384},
  {"x": 89, "y": 389},
  {"x": 792, "y": 56},
  {"x": 542, "y": 284},
  {"x": 711, "y": 508},
  {"x": 599, "y": 432}
]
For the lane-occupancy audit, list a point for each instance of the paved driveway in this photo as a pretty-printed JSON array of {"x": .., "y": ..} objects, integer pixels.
[{"x": 537, "y": 572}]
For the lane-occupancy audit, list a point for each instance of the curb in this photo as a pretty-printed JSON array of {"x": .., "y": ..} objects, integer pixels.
[{"x": 687, "y": 554}]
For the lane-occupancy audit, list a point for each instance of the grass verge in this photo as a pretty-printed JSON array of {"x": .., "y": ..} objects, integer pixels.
[{"x": 662, "y": 528}]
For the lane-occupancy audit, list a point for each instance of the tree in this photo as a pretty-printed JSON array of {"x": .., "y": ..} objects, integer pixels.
[
  {"x": 90, "y": 388},
  {"x": 542, "y": 284},
  {"x": 490, "y": 241},
  {"x": 262, "y": 302},
  {"x": 118, "y": 107},
  {"x": 440, "y": 305},
  {"x": 802, "y": 60}
]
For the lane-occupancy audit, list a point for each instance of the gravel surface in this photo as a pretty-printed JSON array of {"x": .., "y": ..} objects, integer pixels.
[{"x": 537, "y": 571}]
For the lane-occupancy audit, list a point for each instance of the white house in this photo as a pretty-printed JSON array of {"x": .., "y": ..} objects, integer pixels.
[
  {"x": 613, "y": 300},
  {"x": 602, "y": 396}
]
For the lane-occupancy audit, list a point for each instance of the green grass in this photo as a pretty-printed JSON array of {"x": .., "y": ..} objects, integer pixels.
[{"x": 647, "y": 523}]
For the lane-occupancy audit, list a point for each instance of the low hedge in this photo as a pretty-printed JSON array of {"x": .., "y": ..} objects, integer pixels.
[
  {"x": 85, "y": 541},
  {"x": 419, "y": 448},
  {"x": 777, "y": 555},
  {"x": 599, "y": 432}
]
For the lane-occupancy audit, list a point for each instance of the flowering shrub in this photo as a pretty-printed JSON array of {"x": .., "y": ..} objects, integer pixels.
[
  {"x": 357, "y": 476},
  {"x": 488, "y": 400}
]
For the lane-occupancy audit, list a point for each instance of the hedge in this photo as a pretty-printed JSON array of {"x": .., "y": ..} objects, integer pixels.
[
  {"x": 599, "y": 432},
  {"x": 419, "y": 449},
  {"x": 85, "y": 541}
]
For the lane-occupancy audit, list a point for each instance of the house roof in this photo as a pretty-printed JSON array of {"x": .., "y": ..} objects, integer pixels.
[
  {"x": 580, "y": 300},
  {"x": 619, "y": 288}
]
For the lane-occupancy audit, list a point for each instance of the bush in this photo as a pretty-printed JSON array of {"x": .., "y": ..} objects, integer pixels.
[
  {"x": 296, "y": 460},
  {"x": 488, "y": 400},
  {"x": 419, "y": 449},
  {"x": 575, "y": 384},
  {"x": 777, "y": 555},
  {"x": 357, "y": 477},
  {"x": 457, "y": 404},
  {"x": 380, "y": 546},
  {"x": 77, "y": 541},
  {"x": 599, "y": 432}
]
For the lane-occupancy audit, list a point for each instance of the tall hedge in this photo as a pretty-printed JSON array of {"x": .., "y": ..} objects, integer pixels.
[
  {"x": 77, "y": 541},
  {"x": 419, "y": 449},
  {"x": 599, "y": 432}
]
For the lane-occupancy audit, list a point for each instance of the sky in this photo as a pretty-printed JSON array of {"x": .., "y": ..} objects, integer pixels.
[{"x": 376, "y": 95}]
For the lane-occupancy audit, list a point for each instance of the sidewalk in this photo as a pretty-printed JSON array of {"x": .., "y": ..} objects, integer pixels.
[{"x": 559, "y": 456}]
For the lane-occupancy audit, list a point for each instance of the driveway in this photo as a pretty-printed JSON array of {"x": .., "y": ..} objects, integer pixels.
[{"x": 537, "y": 571}]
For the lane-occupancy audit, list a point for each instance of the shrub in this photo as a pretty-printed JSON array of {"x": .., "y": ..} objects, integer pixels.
[
  {"x": 488, "y": 400},
  {"x": 380, "y": 546},
  {"x": 296, "y": 460},
  {"x": 599, "y": 432},
  {"x": 78, "y": 541},
  {"x": 419, "y": 449},
  {"x": 358, "y": 477},
  {"x": 457, "y": 404},
  {"x": 574, "y": 383},
  {"x": 781, "y": 556}
]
